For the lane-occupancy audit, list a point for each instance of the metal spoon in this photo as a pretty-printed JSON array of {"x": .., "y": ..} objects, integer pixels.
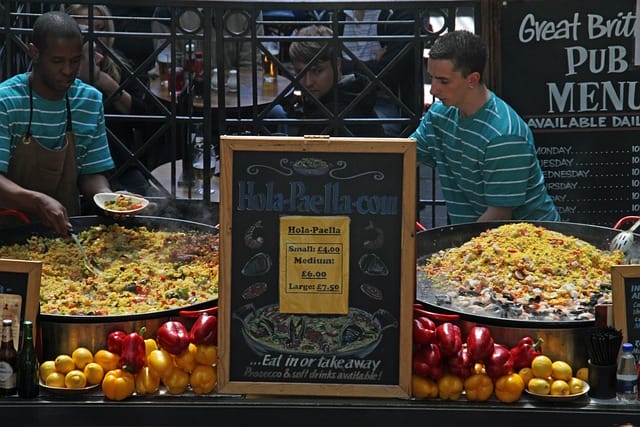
[
  {"x": 87, "y": 264},
  {"x": 624, "y": 240}
]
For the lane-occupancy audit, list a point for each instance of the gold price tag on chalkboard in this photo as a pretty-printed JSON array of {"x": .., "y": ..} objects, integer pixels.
[{"x": 314, "y": 264}]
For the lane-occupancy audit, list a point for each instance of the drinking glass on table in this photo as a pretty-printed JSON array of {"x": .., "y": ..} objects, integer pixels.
[
  {"x": 199, "y": 163},
  {"x": 269, "y": 66},
  {"x": 164, "y": 64}
]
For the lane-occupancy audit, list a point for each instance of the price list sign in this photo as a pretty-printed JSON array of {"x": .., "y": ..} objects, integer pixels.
[
  {"x": 582, "y": 101},
  {"x": 314, "y": 263},
  {"x": 317, "y": 265}
]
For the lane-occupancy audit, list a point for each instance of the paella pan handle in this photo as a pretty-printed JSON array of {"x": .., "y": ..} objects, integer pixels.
[
  {"x": 625, "y": 219},
  {"x": 243, "y": 312},
  {"x": 195, "y": 313},
  {"x": 437, "y": 317},
  {"x": 13, "y": 212}
]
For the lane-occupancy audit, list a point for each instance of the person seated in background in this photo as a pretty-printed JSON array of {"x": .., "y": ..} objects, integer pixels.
[
  {"x": 53, "y": 142},
  {"x": 130, "y": 100},
  {"x": 326, "y": 92}
]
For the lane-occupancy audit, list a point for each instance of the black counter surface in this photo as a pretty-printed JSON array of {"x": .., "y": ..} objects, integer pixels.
[{"x": 225, "y": 410}]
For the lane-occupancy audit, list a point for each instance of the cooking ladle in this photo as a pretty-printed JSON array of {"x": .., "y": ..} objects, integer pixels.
[
  {"x": 87, "y": 264},
  {"x": 624, "y": 240}
]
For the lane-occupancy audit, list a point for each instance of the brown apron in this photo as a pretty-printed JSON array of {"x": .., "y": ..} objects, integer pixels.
[{"x": 52, "y": 172}]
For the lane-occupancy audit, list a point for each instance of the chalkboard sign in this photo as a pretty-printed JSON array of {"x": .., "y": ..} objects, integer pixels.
[
  {"x": 569, "y": 69},
  {"x": 625, "y": 280},
  {"x": 19, "y": 292},
  {"x": 317, "y": 244}
]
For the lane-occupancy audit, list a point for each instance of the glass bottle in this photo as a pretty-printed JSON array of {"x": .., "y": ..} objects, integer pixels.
[
  {"x": 8, "y": 360},
  {"x": 27, "y": 372},
  {"x": 627, "y": 375}
]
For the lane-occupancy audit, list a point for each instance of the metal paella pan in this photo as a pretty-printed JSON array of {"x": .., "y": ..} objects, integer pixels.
[
  {"x": 441, "y": 238},
  {"x": 59, "y": 333}
]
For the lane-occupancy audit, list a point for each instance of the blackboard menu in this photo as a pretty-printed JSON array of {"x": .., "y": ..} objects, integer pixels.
[
  {"x": 625, "y": 280},
  {"x": 319, "y": 271},
  {"x": 570, "y": 69}
]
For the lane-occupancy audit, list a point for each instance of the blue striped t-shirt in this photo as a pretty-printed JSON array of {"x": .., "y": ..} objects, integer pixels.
[
  {"x": 488, "y": 159},
  {"x": 49, "y": 123}
]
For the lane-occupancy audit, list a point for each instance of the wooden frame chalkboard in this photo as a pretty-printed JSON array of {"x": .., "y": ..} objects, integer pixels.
[
  {"x": 347, "y": 208},
  {"x": 19, "y": 292},
  {"x": 625, "y": 280}
]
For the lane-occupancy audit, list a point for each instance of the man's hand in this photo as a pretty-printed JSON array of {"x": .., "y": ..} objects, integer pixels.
[{"x": 53, "y": 214}]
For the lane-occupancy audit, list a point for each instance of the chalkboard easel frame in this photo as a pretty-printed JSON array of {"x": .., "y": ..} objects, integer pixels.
[
  {"x": 403, "y": 148},
  {"x": 28, "y": 289},
  {"x": 621, "y": 276}
]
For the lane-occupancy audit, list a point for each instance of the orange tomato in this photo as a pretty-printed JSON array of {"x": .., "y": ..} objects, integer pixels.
[{"x": 118, "y": 384}]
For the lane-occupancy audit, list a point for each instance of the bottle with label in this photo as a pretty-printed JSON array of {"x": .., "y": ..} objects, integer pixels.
[
  {"x": 27, "y": 372},
  {"x": 627, "y": 375},
  {"x": 8, "y": 360}
]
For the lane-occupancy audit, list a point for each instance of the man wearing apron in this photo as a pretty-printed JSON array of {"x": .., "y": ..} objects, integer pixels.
[{"x": 53, "y": 143}]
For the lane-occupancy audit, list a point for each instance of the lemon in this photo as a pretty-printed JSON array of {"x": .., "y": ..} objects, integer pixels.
[
  {"x": 583, "y": 374},
  {"x": 526, "y": 374},
  {"x": 561, "y": 370},
  {"x": 541, "y": 366},
  {"x": 75, "y": 379},
  {"x": 47, "y": 367},
  {"x": 81, "y": 356},
  {"x": 576, "y": 385},
  {"x": 538, "y": 386},
  {"x": 560, "y": 388},
  {"x": 55, "y": 379},
  {"x": 94, "y": 373},
  {"x": 64, "y": 363}
]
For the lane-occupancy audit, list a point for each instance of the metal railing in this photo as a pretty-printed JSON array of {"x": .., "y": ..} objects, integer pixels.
[{"x": 168, "y": 127}]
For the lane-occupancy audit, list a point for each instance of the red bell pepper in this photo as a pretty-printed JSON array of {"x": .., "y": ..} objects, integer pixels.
[
  {"x": 114, "y": 341},
  {"x": 499, "y": 363},
  {"x": 461, "y": 364},
  {"x": 479, "y": 343},
  {"x": 524, "y": 353},
  {"x": 133, "y": 355},
  {"x": 173, "y": 337},
  {"x": 424, "y": 330},
  {"x": 205, "y": 330},
  {"x": 427, "y": 362},
  {"x": 449, "y": 338}
]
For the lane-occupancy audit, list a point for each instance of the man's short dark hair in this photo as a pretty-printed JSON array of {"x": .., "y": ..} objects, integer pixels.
[
  {"x": 465, "y": 49},
  {"x": 54, "y": 24},
  {"x": 305, "y": 50}
]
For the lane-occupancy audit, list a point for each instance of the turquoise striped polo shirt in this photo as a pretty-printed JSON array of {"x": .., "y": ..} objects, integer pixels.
[
  {"x": 488, "y": 159},
  {"x": 49, "y": 125}
]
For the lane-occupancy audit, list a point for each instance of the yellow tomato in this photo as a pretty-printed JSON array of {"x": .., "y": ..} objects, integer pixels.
[
  {"x": 118, "y": 384},
  {"x": 160, "y": 362},
  {"x": 478, "y": 387},
  {"x": 541, "y": 366},
  {"x": 81, "y": 356},
  {"x": 177, "y": 381},
  {"x": 187, "y": 359},
  {"x": 146, "y": 381},
  {"x": 509, "y": 388},
  {"x": 423, "y": 388},
  {"x": 106, "y": 359},
  {"x": 206, "y": 354},
  {"x": 561, "y": 370},
  {"x": 203, "y": 379},
  {"x": 450, "y": 387},
  {"x": 538, "y": 386}
]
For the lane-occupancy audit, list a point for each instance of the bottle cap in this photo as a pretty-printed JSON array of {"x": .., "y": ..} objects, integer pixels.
[{"x": 627, "y": 346}]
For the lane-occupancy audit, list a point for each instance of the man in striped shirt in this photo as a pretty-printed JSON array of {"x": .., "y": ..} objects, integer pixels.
[
  {"x": 484, "y": 151},
  {"x": 53, "y": 143}
]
